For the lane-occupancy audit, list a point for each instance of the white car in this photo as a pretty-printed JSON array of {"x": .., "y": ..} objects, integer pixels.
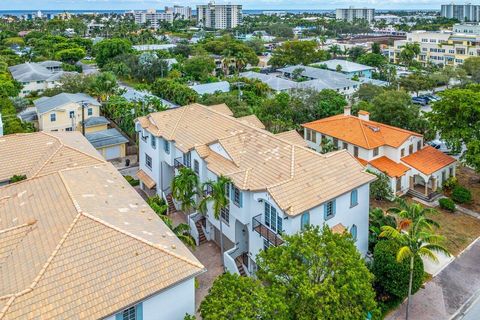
[{"x": 440, "y": 145}]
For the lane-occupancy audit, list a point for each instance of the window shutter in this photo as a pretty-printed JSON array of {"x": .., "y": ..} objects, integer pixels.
[
  {"x": 118, "y": 316},
  {"x": 139, "y": 311},
  {"x": 325, "y": 211},
  {"x": 232, "y": 193},
  {"x": 240, "y": 198},
  {"x": 334, "y": 206}
]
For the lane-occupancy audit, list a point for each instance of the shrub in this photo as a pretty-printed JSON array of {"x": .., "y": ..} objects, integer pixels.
[
  {"x": 393, "y": 276},
  {"x": 461, "y": 195},
  {"x": 17, "y": 178},
  {"x": 450, "y": 184},
  {"x": 380, "y": 189},
  {"x": 157, "y": 204},
  {"x": 447, "y": 204},
  {"x": 133, "y": 182}
]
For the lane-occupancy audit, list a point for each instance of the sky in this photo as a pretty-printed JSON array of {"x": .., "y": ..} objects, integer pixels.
[{"x": 247, "y": 4}]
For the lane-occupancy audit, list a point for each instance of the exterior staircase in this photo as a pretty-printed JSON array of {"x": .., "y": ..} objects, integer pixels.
[
  {"x": 201, "y": 235},
  {"x": 417, "y": 194},
  {"x": 171, "y": 204},
  {"x": 239, "y": 263}
]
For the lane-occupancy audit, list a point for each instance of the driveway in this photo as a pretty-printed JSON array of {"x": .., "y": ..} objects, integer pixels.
[{"x": 446, "y": 293}]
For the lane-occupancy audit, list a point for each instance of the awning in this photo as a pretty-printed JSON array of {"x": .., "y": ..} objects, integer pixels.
[
  {"x": 145, "y": 178},
  {"x": 338, "y": 228}
]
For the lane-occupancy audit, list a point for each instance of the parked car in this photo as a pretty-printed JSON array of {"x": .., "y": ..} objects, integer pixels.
[
  {"x": 432, "y": 97},
  {"x": 419, "y": 100},
  {"x": 440, "y": 145}
]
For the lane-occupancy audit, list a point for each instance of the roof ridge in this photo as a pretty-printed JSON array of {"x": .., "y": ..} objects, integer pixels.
[
  {"x": 18, "y": 227},
  {"x": 176, "y": 255},
  {"x": 44, "y": 268},
  {"x": 365, "y": 135},
  {"x": 178, "y": 121},
  {"x": 72, "y": 148},
  {"x": 48, "y": 159}
]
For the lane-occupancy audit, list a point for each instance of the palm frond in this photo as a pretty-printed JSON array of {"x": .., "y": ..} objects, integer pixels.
[{"x": 403, "y": 253}]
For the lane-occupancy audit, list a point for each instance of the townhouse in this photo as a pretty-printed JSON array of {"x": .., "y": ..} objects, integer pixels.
[
  {"x": 402, "y": 155},
  {"x": 279, "y": 186},
  {"x": 78, "y": 242},
  {"x": 441, "y": 48},
  {"x": 37, "y": 76},
  {"x": 349, "y": 68}
]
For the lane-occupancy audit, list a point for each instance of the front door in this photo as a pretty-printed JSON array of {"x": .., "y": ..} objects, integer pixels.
[{"x": 399, "y": 184}]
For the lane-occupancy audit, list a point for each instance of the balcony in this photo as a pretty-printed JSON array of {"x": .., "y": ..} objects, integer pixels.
[
  {"x": 265, "y": 232},
  {"x": 178, "y": 163}
]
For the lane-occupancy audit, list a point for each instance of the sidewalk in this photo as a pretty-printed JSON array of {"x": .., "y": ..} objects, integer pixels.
[{"x": 446, "y": 293}]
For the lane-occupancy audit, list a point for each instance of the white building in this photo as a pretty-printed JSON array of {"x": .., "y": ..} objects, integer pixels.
[
  {"x": 278, "y": 185},
  {"x": 441, "y": 48},
  {"x": 463, "y": 12},
  {"x": 352, "y": 14},
  {"x": 152, "y": 18},
  {"x": 467, "y": 28},
  {"x": 388, "y": 18},
  {"x": 400, "y": 154},
  {"x": 37, "y": 76},
  {"x": 180, "y": 12},
  {"x": 219, "y": 16},
  {"x": 81, "y": 242}
]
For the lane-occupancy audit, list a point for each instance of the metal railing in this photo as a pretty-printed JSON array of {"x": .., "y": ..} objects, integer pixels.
[
  {"x": 265, "y": 232},
  {"x": 178, "y": 163}
]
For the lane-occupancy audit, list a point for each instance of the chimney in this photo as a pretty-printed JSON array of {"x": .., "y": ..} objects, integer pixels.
[
  {"x": 347, "y": 111},
  {"x": 364, "y": 115}
]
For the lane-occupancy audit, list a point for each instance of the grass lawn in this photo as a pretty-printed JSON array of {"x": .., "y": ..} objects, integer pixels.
[
  {"x": 459, "y": 229},
  {"x": 469, "y": 179}
]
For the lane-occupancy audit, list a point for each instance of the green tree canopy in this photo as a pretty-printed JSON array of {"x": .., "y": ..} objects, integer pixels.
[
  {"x": 472, "y": 67},
  {"x": 110, "y": 48},
  {"x": 70, "y": 56},
  {"x": 199, "y": 67},
  {"x": 297, "y": 52}
]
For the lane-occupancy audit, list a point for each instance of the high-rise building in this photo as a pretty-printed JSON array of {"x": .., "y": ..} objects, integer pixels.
[
  {"x": 352, "y": 14},
  {"x": 462, "y": 12},
  {"x": 219, "y": 16},
  {"x": 179, "y": 12}
]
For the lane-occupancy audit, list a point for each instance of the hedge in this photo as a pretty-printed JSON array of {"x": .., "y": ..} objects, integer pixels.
[
  {"x": 461, "y": 195},
  {"x": 447, "y": 204}
]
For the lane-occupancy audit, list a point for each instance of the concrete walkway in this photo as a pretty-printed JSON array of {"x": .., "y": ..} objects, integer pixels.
[
  {"x": 434, "y": 268},
  {"x": 446, "y": 293}
]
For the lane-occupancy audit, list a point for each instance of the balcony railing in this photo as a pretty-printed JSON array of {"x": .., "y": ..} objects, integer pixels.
[
  {"x": 178, "y": 163},
  {"x": 265, "y": 232}
]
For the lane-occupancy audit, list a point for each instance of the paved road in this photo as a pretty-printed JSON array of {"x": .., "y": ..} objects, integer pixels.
[
  {"x": 448, "y": 292},
  {"x": 473, "y": 312}
]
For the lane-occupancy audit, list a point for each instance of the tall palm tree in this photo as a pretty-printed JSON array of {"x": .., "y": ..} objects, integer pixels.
[
  {"x": 218, "y": 195},
  {"x": 185, "y": 188},
  {"x": 335, "y": 50},
  {"x": 412, "y": 211},
  {"x": 416, "y": 237}
]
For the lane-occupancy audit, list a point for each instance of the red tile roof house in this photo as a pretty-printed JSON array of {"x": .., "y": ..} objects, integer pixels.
[{"x": 411, "y": 165}]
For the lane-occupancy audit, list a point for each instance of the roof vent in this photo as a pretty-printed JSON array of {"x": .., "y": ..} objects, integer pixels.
[{"x": 374, "y": 129}]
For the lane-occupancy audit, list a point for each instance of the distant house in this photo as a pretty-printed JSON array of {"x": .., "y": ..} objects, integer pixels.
[
  {"x": 66, "y": 111},
  {"x": 401, "y": 154},
  {"x": 153, "y": 47},
  {"x": 136, "y": 95},
  {"x": 210, "y": 88},
  {"x": 348, "y": 68},
  {"x": 37, "y": 76},
  {"x": 275, "y": 83}
]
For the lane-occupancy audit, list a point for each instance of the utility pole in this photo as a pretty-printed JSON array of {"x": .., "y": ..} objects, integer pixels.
[{"x": 84, "y": 103}]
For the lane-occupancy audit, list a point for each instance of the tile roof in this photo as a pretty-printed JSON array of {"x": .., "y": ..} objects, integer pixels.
[
  {"x": 294, "y": 137},
  {"x": 338, "y": 228},
  {"x": 40, "y": 153},
  {"x": 81, "y": 243},
  {"x": 362, "y": 133},
  {"x": 428, "y": 160},
  {"x": 96, "y": 121},
  {"x": 222, "y": 86},
  {"x": 27, "y": 72},
  {"x": 47, "y": 104},
  {"x": 297, "y": 178},
  {"x": 253, "y": 121},
  {"x": 389, "y": 167},
  {"x": 105, "y": 138}
]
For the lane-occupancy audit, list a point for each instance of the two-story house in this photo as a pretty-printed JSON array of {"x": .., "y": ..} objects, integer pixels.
[
  {"x": 402, "y": 155},
  {"x": 279, "y": 186},
  {"x": 80, "y": 112}
]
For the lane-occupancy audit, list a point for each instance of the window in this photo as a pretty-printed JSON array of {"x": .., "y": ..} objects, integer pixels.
[
  {"x": 132, "y": 313},
  {"x": 225, "y": 214},
  {"x": 419, "y": 145},
  {"x": 353, "y": 232},
  {"x": 272, "y": 219},
  {"x": 305, "y": 220},
  {"x": 166, "y": 146},
  {"x": 148, "y": 161},
  {"x": 402, "y": 152},
  {"x": 196, "y": 167},
  {"x": 355, "y": 152},
  {"x": 353, "y": 198},
  {"x": 53, "y": 117},
  {"x": 375, "y": 152},
  {"x": 329, "y": 210},
  {"x": 236, "y": 195},
  {"x": 153, "y": 142},
  {"x": 72, "y": 114},
  {"x": 410, "y": 149},
  {"x": 345, "y": 145},
  {"x": 335, "y": 142},
  {"x": 187, "y": 159},
  {"x": 90, "y": 111},
  {"x": 308, "y": 134},
  {"x": 69, "y": 129},
  {"x": 129, "y": 314}
]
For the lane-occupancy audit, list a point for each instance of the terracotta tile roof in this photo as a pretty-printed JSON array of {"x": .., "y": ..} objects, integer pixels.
[
  {"x": 296, "y": 177},
  {"x": 362, "y": 161},
  {"x": 145, "y": 178},
  {"x": 81, "y": 243},
  {"x": 389, "y": 167},
  {"x": 338, "y": 228},
  {"x": 362, "y": 133},
  {"x": 41, "y": 153},
  {"x": 294, "y": 137},
  {"x": 428, "y": 160}
]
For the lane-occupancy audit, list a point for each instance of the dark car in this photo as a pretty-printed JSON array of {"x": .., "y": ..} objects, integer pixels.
[{"x": 419, "y": 100}]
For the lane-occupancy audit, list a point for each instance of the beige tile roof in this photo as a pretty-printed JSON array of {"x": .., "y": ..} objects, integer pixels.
[
  {"x": 41, "y": 153},
  {"x": 253, "y": 121},
  {"x": 81, "y": 243},
  {"x": 296, "y": 177},
  {"x": 294, "y": 137}
]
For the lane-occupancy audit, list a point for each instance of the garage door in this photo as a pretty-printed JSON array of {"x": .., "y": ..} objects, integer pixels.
[{"x": 112, "y": 152}]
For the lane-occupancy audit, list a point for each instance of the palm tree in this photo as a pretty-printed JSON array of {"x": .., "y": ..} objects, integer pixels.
[
  {"x": 185, "y": 188},
  {"x": 377, "y": 219},
  {"x": 219, "y": 197},
  {"x": 240, "y": 61},
  {"x": 415, "y": 237},
  {"x": 335, "y": 50},
  {"x": 413, "y": 211},
  {"x": 104, "y": 85},
  {"x": 182, "y": 231}
]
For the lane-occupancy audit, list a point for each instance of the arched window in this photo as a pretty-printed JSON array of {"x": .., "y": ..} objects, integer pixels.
[
  {"x": 353, "y": 232},
  {"x": 305, "y": 220}
]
